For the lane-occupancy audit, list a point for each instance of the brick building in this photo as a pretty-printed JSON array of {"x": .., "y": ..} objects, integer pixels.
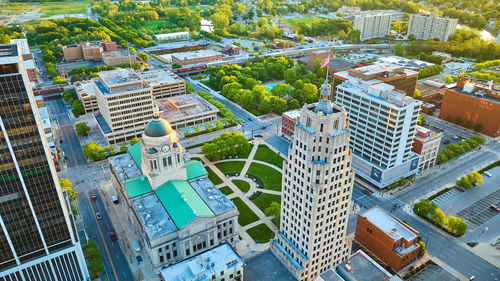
[
  {"x": 197, "y": 57},
  {"x": 402, "y": 79},
  {"x": 288, "y": 120},
  {"x": 391, "y": 240},
  {"x": 476, "y": 102},
  {"x": 89, "y": 50},
  {"x": 335, "y": 64},
  {"x": 426, "y": 144}
]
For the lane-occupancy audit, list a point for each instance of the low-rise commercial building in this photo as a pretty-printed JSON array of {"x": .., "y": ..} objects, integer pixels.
[
  {"x": 288, "y": 121},
  {"x": 426, "y": 144},
  {"x": 187, "y": 111},
  {"x": 391, "y": 240},
  {"x": 372, "y": 25},
  {"x": 475, "y": 101},
  {"x": 119, "y": 56},
  {"x": 177, "y": 212},
  {"x": 231, "y": 50},
  {"x": 220, "y": 263},
  {"x": 165, "y": 83},
  {"x": 197, "y": 57},
  {"x": 89, "y": 50},
  {"x": 413, "y": 64},
  {"x": 85, "y": 90},
  {"x": 31, "y": 70},
  {"x": 402, "y": 79},
  {"x": 424, "y": 27},
  {"x": 174, "y": 36}
]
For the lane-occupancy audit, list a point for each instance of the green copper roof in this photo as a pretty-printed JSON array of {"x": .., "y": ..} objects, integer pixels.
[
  {"x": 157, "y": 127},
  {"x": 182, "y": 202},
  {"x": 135, "y": 152},
  {"x": 137, "y": 186},
  {"x": 195, "y": 169}
]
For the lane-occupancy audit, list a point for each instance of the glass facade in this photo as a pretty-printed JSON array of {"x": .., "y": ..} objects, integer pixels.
[{"x": 21, "y": 150}]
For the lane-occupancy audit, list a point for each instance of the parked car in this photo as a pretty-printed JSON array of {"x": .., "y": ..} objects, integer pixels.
[
  {"x": 486, "y": 173},
  {"x": 495, "y": 208},
  {"x": 93, "y": 197},
  {"x": 113, "y": 237},
  {"x": 98, "y": 216},
  {"x": 446, "y": 142},
  {"x": 115, "y": 198}
]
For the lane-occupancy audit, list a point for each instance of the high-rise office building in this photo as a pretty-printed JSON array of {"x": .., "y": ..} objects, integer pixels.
[
  {"x": 38, "y": 241},
  {"x": 425, "y": 27},
  {"x": 317, "y": 188},
  {"x": 382, "y": 124},
  {"x": 372, "y": 25}
]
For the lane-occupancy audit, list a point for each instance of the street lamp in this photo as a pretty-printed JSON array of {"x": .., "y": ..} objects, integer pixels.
[{"x": 427, "y": 240}]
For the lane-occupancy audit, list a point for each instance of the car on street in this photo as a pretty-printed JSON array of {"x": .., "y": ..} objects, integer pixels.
[
  {"x": 455, "y": 137},
  {"x": 98, "y": 216},
  {"x": 113, "y": 237},
  {"x": 495, "y": 208},
  {"x": 93, "y": 197},
  {"x": 249, "y": 119},
  {"x": 487, "y": 174},
  {"x": 446, "y": 142}
]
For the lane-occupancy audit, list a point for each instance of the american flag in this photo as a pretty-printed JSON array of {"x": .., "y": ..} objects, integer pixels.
[{"x": 325, "y": 61}]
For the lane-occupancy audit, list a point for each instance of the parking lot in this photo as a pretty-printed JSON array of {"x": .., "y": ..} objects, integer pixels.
[{"x": 480, "y": 212}]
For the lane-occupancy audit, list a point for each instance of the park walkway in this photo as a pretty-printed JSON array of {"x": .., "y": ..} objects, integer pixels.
[{"x": 248, "y": 243}]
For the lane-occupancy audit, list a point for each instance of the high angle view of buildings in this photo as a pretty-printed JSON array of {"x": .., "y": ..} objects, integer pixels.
[{"x": 246, "y": 140}]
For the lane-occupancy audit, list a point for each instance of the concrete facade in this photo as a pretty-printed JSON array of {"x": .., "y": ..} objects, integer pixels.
[
  {"x": 119, "y": 56},
  {"x": 86, "y": 94},
  {"x": 391, "y": 240},
  {"x": 425, "y": 27},
  {"x": 426, "y": 144},
  {"x": 317, "y": 187},
  {"x": 382, "y": 124},
  {"x": 165, "y": 83},
  {"x": 372, "y": 25}
]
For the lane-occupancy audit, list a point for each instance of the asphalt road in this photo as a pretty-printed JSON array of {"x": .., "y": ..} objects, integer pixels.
[{"x": 115, "y": 263}]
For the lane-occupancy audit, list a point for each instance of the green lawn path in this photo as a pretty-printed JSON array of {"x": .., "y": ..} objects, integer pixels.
[
  {"x": 246, "y": 216},
  {"x": 265, "y": 200},
  {"x": 226, "y": 190},
  {"x": 212, "y": 176},
  {"x": 242, "y": 185},
  {"x": 230, "y": 167},
  {"x": 270, "y": 176},
  {"x": 261, "y": 233},
  {"x": 265, "y": 154}
]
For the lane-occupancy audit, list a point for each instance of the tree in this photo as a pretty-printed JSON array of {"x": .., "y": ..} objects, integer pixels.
[
  {"x": 416, "y": 94},
  {"x": 93, "y": 151},
  {"x": 77, "y": 108},
  {"x": 82, "y": 129},
  {"x": 425, "y": 208},
  {"x": 134, "y": 141},
  {"x": 447, "y": 79},
  {"x": 132, "y": 49},
  {"x": 421, "y": 250},
  {"x": 458, "y": 120},
  {"x": 479, "y": 139},
  {"x": 274, "y": 210},
  {"x": 60, "y": 80},
  {"x": 399, "y": 50},
  {"x": 478, "y": 126},
  {"x": 94, "y": 255},
  {"x": 143, "y": 57},
  {"x": 290, "y": 75},
  {"x": 421, "y": 120},
  {"x": 439, "y": 217},
  {"x": 219, "y": 20},
  {"x": 464, "y": 182},
  {"x": 67, "y": 185},
  {"x": 475, "y": 178},
  {"x": 310, "y": 93},
  {"x": 441, "y": 158},
  {"x": 456, "y": 225},
  {"x": 339, "y": 14},
  {"x": 467, "y": 124}
]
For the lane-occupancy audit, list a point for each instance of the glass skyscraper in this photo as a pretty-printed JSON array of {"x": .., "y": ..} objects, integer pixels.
[{"x": 37, "y": 237}]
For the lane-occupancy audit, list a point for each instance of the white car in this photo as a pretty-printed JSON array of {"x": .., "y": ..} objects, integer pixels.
[{"x": 487, "y": 174}]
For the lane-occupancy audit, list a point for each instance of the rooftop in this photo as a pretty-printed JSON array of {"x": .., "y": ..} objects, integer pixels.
[
  {"x": 204, "y": 265},
  {"x": 414, "y": 64},
  {"x": 118, "y": 81},
  {"x": 154, "y": 218},
  {"x": 433, "y": 273},
  {"x": 125, "y": 166},
  {"x": 156, "y": 77},
  {"x": 388, "y": 224},
  {"x": 118, "y": 53},
  {"x": 44, "y": 116},
  {"x": 177, "y": 45},
  {"x": 29, "y": 64},
  {"x": 137, "y": 186},
  {"x": 362, "y": 268},
  {"x": 23, "y": 45},
  {"x": 294, "y": 114},
  {"x": 481, "y": 94},
  {"x": 195, "y": 55},
  {"x": 8, "y": 50},
  {"x": 106, "y": 129},
  {"x": 177, "y": 107},
  {"x": 194, "y": 169},
  {"x": 216, "y": 201},
  {"x": 85, "y": 88}
]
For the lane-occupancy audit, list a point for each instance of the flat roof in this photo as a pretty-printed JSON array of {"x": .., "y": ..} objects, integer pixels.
[
  {"x": 23, "y": 45},
  {"x": 433, "y": 273},
  {"x": 160, "y": 76},
  {"x": 154, "y": 218},
  {"x": 137, "y": 186},
  {"x": 476, "y": 93},
  {"x": 177, "y": 107},
  {"x": 182, "y": 203},
  {"x": 85, "y": 88},
  {"x": 196, "y": 54},
  {"x": 29, "y": 64},
  {"x": 118, "y": 53},
  {"x": 125, "y": 166},
  {"x": 125, "y": 79},
  {"x": 106, "y": 129},
  {"x": 211, "y": 195},
  {"x": 388, "y": 224},
  {"x": 204, "y": 265},
  {"x": 363, "y": 268},
  {"x": 294, "y": 114},
  {"x": 177, "y": 45},
  {"x": 407, "y": 63},
  {"x": 194, "y": 169},
  {"x": 44, "y": 116}
]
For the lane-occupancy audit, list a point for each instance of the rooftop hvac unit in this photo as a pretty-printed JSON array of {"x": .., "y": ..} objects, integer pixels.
[{"x": 468, "y": 87}]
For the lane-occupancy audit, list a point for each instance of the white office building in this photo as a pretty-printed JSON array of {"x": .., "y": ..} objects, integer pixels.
[
  {"x": 382, "y": 124},
  {"x": 372, "y": 25},
  {"x": 425, "y": 27},
  {"x": 317, "y": 188}
]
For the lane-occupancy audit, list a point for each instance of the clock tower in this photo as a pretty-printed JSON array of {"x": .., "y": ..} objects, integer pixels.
[{"x": 161, "y": 159}]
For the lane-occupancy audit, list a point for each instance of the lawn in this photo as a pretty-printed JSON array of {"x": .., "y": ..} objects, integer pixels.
[
  {"x": 212, "y": 176},
  {"x": 269, "y": 176},
  {"x": 246, "y": 216},
  {"x": 294, "y": 21},
  {"x": 242, "y": 185},
  {"x": 265, "y": 199},
  {"x": 265, "y": 154},
  {"x": 226, "y": 190},
  {"x": 230, "y": 167},
  {"x": 261, "y": 233}
]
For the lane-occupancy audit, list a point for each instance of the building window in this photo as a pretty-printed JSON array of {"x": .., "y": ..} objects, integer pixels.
[
  {"x": 175, "y": 253},
  {"x": 222, "y": 273},
  {"x": 164, "y": 162},
  {"x": 170, "y": 160},
  {"x": 161, "y": 258},
  {"x": 187, "y": 252},
  {"x": 178, "y": 158}
]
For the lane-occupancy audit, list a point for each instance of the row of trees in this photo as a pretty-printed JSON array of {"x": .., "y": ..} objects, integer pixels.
[
  {"x": 323, "y": 26},
  {"x": 94, "y": 258},
  {"x": 429, "y": 211},
  {"x": 95, "y": 152},
  {"x": 226, "y": 145},
  {"x": 429, "y": 71},
  {"x": 454, "y": 150},
  {"x": 470, "y": 180}
]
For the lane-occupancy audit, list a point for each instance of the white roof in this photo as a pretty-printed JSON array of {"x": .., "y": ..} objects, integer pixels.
[
  {"x": 294, "y": 114},
  {"x": 172, "y": 35},
  {"x": 388, "y": 224},
  {"x": 44, "y": 116},
  {"x": 23, "y": 45},
  {"x": 29, "y": 64}
]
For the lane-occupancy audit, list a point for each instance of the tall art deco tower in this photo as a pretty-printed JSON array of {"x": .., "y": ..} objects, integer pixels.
[
  {"x": 317, "y": 187},
  {"x": 37, "y": 237}
]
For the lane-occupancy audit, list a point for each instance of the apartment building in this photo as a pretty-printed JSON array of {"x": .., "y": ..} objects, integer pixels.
[
  {"x": 426, "y": 144},
  {"x": 125, "y": 104},
  {"x": 219, "y": 264},
  {"x": 475, "y": 101},
  {"x": 175, "y": 210},
  {"x": 165, "y": 83},
  {"x": 118, "y": 56},
  {"x": 401, "y": 78},
  {"x": 202, "y": 56},
  {"x": 388, "y": 238},
  {"x": 317, "y": 187},
  {"x": 425, "y": 27},
  {"x": 37, "y": 239},
  {"x": 372, "y": 25},
  {"x": 288, "y": 120},
  {"x": 382, "y": 124}
]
